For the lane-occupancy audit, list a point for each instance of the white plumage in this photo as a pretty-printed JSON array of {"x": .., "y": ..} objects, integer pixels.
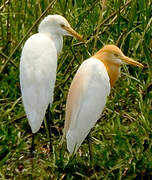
[
  {"x": 37, "y": 77},
  {"x": 38, "y": 67},
  {"x": 86, "y": 100}
]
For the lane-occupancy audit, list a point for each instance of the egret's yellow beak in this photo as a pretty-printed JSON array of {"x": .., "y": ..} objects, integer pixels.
[
  {"x": 73, "y": 33},
  {"x": 131, "y": 61}
]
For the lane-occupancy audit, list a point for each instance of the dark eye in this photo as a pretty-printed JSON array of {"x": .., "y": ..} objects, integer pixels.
[
  {"x": 115, "y": 54},
  {"x": 62, "y": 25}
]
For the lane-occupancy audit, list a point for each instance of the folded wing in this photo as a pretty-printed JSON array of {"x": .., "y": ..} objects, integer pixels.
[
  {"x": 86, "y": 100},
  {"x": 37, "y": 77}
]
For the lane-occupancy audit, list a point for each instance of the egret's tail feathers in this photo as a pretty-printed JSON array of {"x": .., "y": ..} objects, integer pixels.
[
  {"x": 35, "y": 121},
  {"x": 72, "y": 144},
  {"x": 35, "y": 128},
  {"x": 74, "y": 140}
]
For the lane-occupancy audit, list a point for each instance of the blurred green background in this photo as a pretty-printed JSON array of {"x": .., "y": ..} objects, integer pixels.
[{"x": 122, "y": 138}]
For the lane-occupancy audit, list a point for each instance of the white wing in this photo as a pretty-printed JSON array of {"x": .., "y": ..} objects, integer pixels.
[
  {"x": 86, "y": 100},
  {"x": 37, "y": 77}
]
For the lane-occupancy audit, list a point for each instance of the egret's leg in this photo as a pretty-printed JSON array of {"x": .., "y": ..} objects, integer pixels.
[
  {"x": 32, "y": 157},
  {"x": 32, "y": 146},
  {"x": 49, "y": 124},
  {"x": 90, "y": 148}
]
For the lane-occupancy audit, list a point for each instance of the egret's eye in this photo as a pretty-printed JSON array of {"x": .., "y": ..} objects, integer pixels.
[
  {"x": 62, "y": 25},
  {"x": 116, "y": 55}
]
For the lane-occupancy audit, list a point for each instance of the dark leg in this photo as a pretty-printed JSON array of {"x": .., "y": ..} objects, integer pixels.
[
  {"x": 32, "y": 157},
  {"x": 32, "y": 146},
  {"x": 90, "y": 148},
  {"x": 49, "y": 124}
]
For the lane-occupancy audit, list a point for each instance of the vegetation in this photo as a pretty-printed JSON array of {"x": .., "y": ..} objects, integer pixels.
[{"x": 122, "y": 138}]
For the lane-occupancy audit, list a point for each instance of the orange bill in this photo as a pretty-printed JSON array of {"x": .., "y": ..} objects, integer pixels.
[
  {"x": 73, "y": 33},
  {"x": 131, "y": 61}
]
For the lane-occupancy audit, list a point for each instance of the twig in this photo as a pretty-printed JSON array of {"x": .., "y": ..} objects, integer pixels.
[
  {"x": 36, "y": 22},
  {"x": 127, "y": 168},
  {"x": 119, "y": 11},
  {"x": 113, "y": 14},
  {"x": 6, "y": 2},
  {"x": 14, "y": 104},
  {"x": 15, "y": 119},
  {"x": 65, "y": 6},
  {"x": 8, "y": 25},
  {"x": 112, "y": 21},
  {"x": 107, "y": 19},
  {"x": 6, "y": 57},
  {"x": 143, "y": 34},
  {"x": 103, "y": 2},
  {"x": 86, "y": 13}
]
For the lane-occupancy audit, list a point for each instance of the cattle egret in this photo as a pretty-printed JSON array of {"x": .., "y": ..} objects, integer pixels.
[
  {"x": 38, "y": 67},
  {"x": 88, "y": 93}
]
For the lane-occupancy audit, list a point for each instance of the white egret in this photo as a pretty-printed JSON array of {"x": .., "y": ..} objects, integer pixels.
[
  {"x": 38, "y": 67},
  {"x": 88, "y": 93}
]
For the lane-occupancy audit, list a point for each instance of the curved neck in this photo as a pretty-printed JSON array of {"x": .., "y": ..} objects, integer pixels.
[
  {"x": 52, "y": 32},
  {"x": 58, "y": 42},
  {"x": 113, "y": 69}
]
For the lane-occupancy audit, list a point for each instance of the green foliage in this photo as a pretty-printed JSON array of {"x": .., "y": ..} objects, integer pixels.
[{"x": 122, "y": 138}]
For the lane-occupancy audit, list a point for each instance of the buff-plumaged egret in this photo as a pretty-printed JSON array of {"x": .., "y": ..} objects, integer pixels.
[{"x": 88, "y": 93}]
